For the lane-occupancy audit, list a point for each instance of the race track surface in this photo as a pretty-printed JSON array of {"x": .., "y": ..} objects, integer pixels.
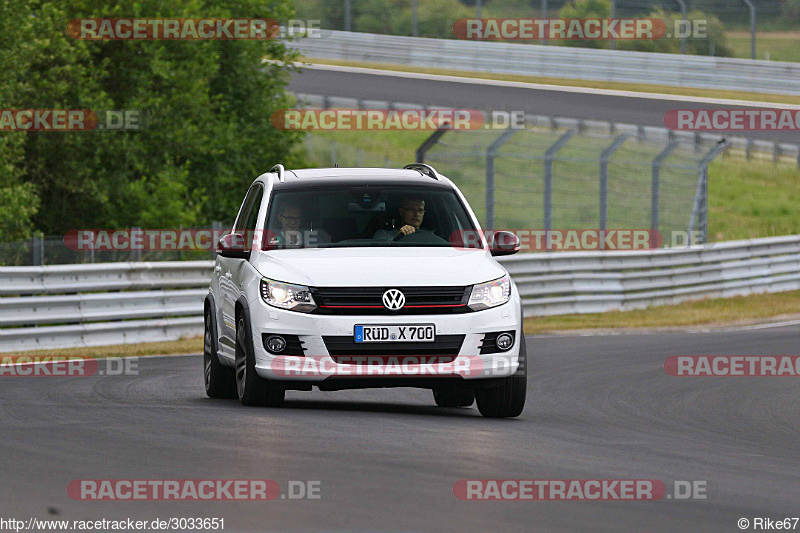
[
  {"x": 598, "y": 407},
  {"x": 643, "y": 111}
]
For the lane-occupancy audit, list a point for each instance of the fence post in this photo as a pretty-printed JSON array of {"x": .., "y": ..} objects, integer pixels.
[
  {"x": 333, "y": 153},
  {"x": 216, "y": 229},
  {"x": 752, "y": 28},
  {"x": 655, "y": 193},
  {"x": 543, "y": 15},
  {"x": 700, "y": 205},
  {"x": 604, "y": 157},
  {"x": 37, "y": 248},
  {"x": 414, "y": 25},
  {"x": 549, "y": 155},
  {"x": 429, "y": 142},
  {"x": 136, "y": 253},
  {"x": 683, "y": 29},
  {"x": 491, "y": 152},
  {"x": 613, "y": 42}
]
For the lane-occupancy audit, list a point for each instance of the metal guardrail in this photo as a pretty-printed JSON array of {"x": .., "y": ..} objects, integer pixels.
[
  {"x": 558, "y": 61},
  {"x": 70, "y": 306},
  {"x": 595, "y": 282},
  {"x": 98, "y": 304}
]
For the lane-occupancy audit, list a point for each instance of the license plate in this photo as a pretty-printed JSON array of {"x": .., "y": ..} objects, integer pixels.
[{"x": 406, "y": 333}]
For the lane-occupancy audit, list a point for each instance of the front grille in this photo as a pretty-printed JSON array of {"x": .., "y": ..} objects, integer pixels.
[
  {"x": 369, "y": 300},
  {"x": 445, "y": 347}
]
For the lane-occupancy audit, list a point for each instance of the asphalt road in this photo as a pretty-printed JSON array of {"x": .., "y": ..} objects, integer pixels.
[
  {"x": 599, "y": 407},
  {"x": 644, "y": 111}
]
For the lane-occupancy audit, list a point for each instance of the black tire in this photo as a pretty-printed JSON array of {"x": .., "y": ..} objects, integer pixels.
[
  {"x": 507, "y": 400},
  {"x": 453, "y": 397},
  {"x": 250, "y": 387},
  {"x": 220, "y": 381}
]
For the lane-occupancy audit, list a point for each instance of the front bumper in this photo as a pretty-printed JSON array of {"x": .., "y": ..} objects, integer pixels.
[{"x": 317, "y": 365}]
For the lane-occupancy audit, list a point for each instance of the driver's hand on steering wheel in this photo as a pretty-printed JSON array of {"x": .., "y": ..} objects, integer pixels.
[{"x": 406, "y": 230}]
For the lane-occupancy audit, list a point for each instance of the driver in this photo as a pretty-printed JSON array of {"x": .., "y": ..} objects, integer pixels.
[{"x": 412, "y": 211}]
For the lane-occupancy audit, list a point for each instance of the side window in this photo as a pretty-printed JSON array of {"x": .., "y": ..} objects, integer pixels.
[{"x": 248, "y": 217}]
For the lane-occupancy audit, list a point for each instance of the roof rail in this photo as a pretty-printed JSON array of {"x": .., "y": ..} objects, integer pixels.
[
  {"x": 279, "y": 169},
  {"x": 422, "y": 168}
]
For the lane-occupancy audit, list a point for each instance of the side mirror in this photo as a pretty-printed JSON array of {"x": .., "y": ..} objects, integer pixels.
[
  {"x": 504, "y": 243},
  {"x": 233, "y": 245}
]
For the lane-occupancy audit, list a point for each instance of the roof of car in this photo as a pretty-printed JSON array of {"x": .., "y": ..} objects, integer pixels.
[{"x": 356, "y": 176}]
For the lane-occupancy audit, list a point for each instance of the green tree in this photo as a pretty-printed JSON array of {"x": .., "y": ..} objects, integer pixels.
[
  {"x": 791, "y": 10},
  {"x": 18, "y": 47},
  {"x": 585, "y": 9},
  {"x": 714, "y": 42},
  {"x": 435, "y": 18},
  {"x": 208, "y": 103}
]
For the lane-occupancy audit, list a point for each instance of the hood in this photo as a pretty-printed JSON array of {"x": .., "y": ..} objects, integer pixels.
[{"x": 400, "y": 266}]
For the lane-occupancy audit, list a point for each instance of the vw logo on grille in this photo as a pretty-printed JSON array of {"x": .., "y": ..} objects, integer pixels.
[{"x": 394, "y": 299}]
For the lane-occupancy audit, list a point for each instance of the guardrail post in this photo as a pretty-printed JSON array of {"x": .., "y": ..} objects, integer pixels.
[
  {"x": 491, "y": 153},
  {"x": 700, "y": 206},
  {"x": 655, "y": 193},
  {"x": 604, "y": 157},
  {"x": 429, "y": 142},
  {"x": 333, "y": 153},
  {"x": 549, "y": 155}
]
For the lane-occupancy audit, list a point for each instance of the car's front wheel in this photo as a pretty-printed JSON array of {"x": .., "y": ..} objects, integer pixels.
[
  {"x": 508, "y": 399},
  {"x": 251, "y": 388}
]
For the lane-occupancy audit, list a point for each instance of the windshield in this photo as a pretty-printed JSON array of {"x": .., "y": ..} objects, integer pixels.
[{"x": 355, "y": 217}]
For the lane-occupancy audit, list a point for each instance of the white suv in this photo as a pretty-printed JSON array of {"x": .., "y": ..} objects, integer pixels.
[{"x": 346, "y": 278}]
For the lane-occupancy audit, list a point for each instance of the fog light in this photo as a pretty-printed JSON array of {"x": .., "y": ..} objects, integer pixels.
[
  {"x": 275, "y": 344},
  {"x": 504, "y": 341}
]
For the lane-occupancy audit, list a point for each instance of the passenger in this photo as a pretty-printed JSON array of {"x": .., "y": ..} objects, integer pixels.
[{"x": 290, "y": 218}]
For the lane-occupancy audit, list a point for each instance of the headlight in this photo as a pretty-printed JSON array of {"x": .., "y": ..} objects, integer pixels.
[
  {"x": 490, "y": 294},
  {"x": 287, "y": 296}
]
